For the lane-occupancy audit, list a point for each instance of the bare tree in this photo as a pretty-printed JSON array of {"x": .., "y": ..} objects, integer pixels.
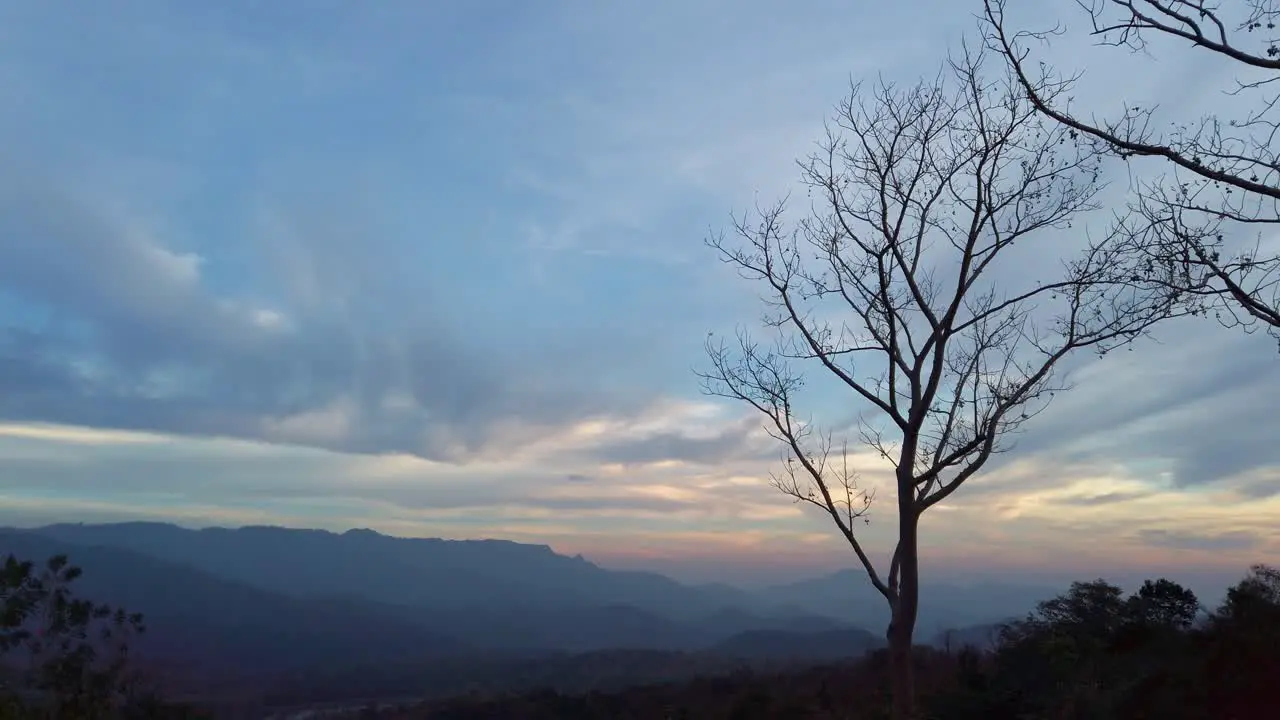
[
  {"x": 1223, "y": 172},
  {"x": 898, "y": 283}
]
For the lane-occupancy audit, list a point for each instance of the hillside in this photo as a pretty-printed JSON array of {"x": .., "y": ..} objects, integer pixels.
[
  {"x": 218, "y": 630},
  {"x": 417, "y": 572},
  {"x": 943, "y": 607},
  {"x": 492, "y": 595},
  {"x": 781, "y": 645},
  {"x": 220, "y": 622},
  {"x": 470, "y": 589},
  {"x": 245, "y": 651}
]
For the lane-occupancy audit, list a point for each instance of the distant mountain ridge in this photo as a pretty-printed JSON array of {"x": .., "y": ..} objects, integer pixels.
[
  {"x": 271, "y": 605},
  {"x": 943, "y": 607},
  {"x": 466, "y": 576},
  {"x": 208, "y": 623},
  {"x": 484, "y": 595},
  {"x": 798, "y": 646},
  {"x": 417, "y": 572}
]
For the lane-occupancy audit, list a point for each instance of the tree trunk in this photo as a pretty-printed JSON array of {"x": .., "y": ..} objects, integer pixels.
[
  {"x": 902, "y": 625},
  {"x": 901, "y": 672}
]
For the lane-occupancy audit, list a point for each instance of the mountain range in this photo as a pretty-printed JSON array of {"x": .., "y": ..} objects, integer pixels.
[{"x": 224, "y": 606}]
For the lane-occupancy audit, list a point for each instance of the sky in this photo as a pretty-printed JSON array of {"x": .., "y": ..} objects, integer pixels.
[{"x": 438, "y": 269}]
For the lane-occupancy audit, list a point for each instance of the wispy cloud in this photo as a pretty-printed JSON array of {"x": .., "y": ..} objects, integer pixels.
[{"x": 1180, "y": 540}]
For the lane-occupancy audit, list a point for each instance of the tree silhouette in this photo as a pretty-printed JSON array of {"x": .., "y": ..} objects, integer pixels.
[
  {"x": 67, "y": 654},
  {"x": 899, "y": 284},
  {"x": 1163, "y": 604}
]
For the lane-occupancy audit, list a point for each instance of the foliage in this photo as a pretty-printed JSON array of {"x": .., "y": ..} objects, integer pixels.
[
  {"x": 62, "y": 656},
  {"x": 1092, "y": 653}
]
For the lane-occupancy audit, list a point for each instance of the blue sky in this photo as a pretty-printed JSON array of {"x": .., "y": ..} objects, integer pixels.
[{"x": 437, "y": 269}]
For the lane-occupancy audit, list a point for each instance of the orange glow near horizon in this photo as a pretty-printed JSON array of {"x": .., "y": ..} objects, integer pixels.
[{"x": 703, "y": 516}]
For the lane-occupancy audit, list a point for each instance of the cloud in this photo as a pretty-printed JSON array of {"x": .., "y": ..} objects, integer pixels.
[
  {"x": 1193, "y": 541},
  {"x": 68, "y": 472},
  {"x": 1261, "y": 483},
  {"x": 1188, "y": 411},
  {"x": 299, "y": 305},
  {"x": 1085, "y": 517},
  {"x": 112, "y": 328},
  {"x": 724, "y": 442},
  {"x": 1107, "y": 498}
]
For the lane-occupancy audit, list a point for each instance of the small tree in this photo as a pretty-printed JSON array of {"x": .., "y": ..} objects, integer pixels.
[
  {"x": 1091, "y": 652},
  {"x": 1163, "y": 604},
  {"x": 75, "y": 651},
  {"x": 1223, "y": 172},
  {"x": 898, "y": 284},
  {"x": 1242, "y": 653}
]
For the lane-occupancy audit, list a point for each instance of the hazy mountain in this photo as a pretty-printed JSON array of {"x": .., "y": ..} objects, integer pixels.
[
  {"x": 564, "y": 672},
  {"x": 849, "y": 594},
  {"x": 983, "y": 636},
  {"x": 210, "y": 625},
  {"x": 307, "y": 613},
  {"x": 424, "y": 573},
  {"x": 732, "y": 621},
  {"x": 782, "y": 645},
  {"x": 489, "y": 595},
  {"x": 461, "y": 583}
]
